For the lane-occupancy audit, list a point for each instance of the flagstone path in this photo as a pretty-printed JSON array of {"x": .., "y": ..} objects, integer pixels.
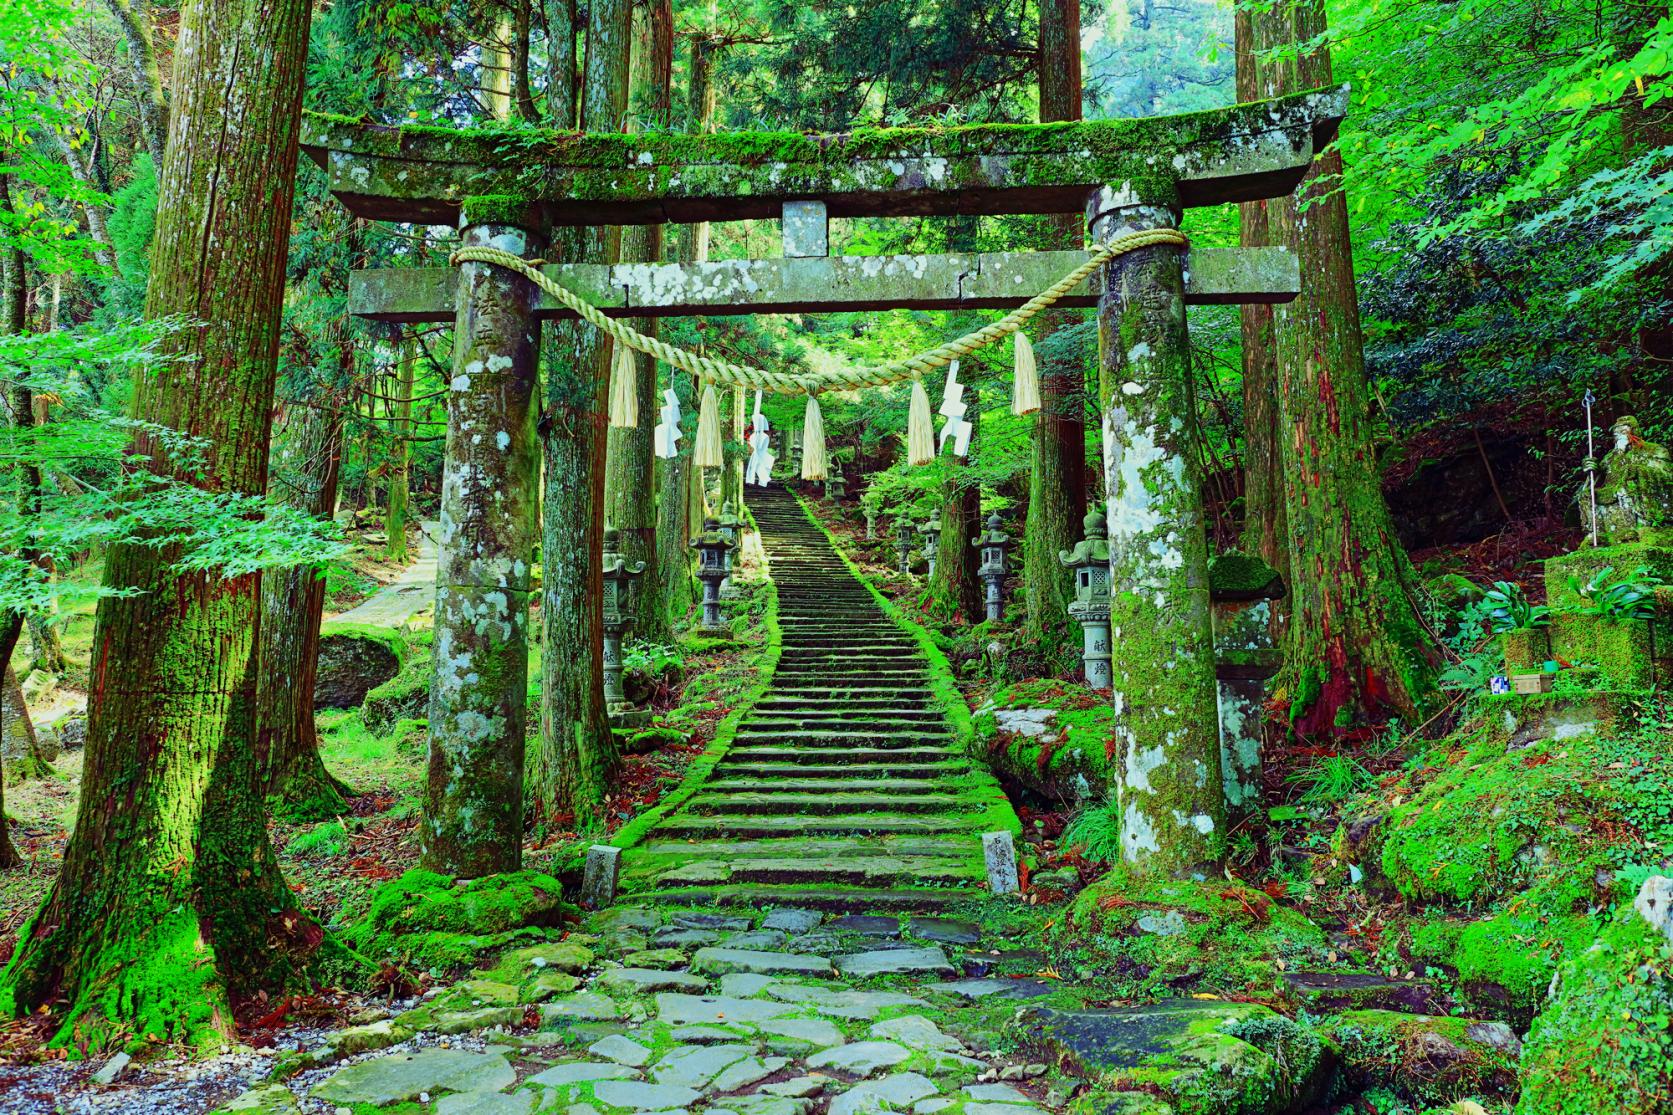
[
  {"x": 844, "y": 787},
  {"x": 412, "y": 592}
]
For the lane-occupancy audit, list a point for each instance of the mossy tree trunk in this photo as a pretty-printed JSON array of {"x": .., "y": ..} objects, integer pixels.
[
  {"x": 630, "y": 484},
  {"x": 473, "y": 801},
  {"x": 400, "y": 456},
  {"x": 956, "y": 587},
  {"x": 305, "y": 465},
  {"x": 1264, "y": 532},
  {"x": 134, "y": 16},
  {"x": 1166, "y": 739},
  {"x": 20, "y": 746},
  {"x": 1354, "y": 643},
  {"x": 577, "y": 757},
  {"x": 169, "y": 906},
  {"x": 11, "y": 626},
  {"x": 1057, "y": 482}
]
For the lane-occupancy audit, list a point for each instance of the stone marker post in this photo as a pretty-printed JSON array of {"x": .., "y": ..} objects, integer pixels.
[
  {"x": 473, "y": 815},
  {"x": 931, "y": 532},
  {"x": 600, "y": 876},
  {"x": 999, "y": 852},
  {"x": 1166, "y": 727}
]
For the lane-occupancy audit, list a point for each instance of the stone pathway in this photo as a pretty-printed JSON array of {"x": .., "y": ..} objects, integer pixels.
[
  {"x": 844, "y": 788},
  {"x": 795, "y": 1014},
  {"x": 412, "y": 592}
]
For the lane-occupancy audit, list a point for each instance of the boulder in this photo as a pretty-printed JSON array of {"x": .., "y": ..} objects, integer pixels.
[
  {"x": 1430, "y": 1060},
  {"x": 353, "y": 660},
  {"x": 1198, "y": 1055}
]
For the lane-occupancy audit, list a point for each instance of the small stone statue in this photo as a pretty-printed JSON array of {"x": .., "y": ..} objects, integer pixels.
[{"x": 1635, "y": 490}]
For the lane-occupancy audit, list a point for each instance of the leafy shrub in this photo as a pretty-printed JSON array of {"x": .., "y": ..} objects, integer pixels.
[
  {"x": 1631, "y": 596},
  {"x": 1509, "y": 608}
]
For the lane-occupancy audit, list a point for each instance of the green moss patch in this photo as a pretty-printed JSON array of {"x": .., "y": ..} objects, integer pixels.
[
  {"x": 433, "y": 922},
  {"x": 1428, "y": 1060},
  {"x": 1606, "y": 1041},
  {"x": 1048, "y": 736},
  {"x": 1153, "y": 937}
]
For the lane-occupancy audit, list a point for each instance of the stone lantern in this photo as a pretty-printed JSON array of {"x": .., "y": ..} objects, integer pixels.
[
  {"x": 836, "y": 485},
  {"x": 932, "y": 541},
  {"x": 619, "y": 576},
  {"x": 712, "y": 548},
  {"x": 731, "y": 529},
  {"x": 1090, "y": 560},
  {"x": 995, "y": 545},
  {"x": 903, "y": 543}
]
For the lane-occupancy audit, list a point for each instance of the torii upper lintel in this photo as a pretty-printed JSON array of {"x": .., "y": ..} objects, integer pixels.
[{"x": 425, "y": 175}]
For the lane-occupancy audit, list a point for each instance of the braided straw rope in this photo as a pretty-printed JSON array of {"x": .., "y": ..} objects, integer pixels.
[{"x": 710, "y": 370}]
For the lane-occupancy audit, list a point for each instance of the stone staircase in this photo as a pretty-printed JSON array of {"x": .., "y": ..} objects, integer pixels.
[{"x": 843, "y": 787}]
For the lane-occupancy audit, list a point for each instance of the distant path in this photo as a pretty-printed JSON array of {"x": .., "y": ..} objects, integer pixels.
[{"x": 410, "y": 593}]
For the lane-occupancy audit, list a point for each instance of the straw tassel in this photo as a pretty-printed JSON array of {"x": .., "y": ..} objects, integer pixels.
[
  {"x": 624, "y": 389},
  {"x": 706, "y": 453},
  {"x": 920, "y": 431},
  {"x": 815, "y": 465},
  {"x": 1025, "y": 392}
]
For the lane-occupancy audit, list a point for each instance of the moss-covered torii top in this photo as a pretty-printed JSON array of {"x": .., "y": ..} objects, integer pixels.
[{"x": 521, "y": 175}]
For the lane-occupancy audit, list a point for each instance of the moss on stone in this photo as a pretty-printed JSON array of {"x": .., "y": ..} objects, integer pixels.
[
  {"x": 1235, "y": 575},
  {"x": 404, "y": 696},
  {"x": 1162, "y": 936},
  {"x": 1426, "y": 1059},
  {"x": 434, "y": 922},
  {"x": 1605, "y": 1042},
  {"x": 1068, "y": 758}
]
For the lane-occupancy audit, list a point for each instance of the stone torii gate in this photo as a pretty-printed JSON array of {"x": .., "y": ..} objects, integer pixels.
[{"x": 508, "y": 187}]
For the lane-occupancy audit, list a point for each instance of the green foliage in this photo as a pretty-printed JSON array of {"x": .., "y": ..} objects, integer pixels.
[
  {"x": 1629, "y": 596},
  {"x": 1095, "y": 831},
  {"x": 1509, "y": 608},
  {"x": 1331, "y": 779},
  {"x": 328, "y": 838}
]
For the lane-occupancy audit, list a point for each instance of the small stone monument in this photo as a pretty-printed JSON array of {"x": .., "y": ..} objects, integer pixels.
[
  {"x": 903, "y": 543},
  {"x": 1090, "y": 561},
  {"x": 995, "y": 544},
  {"x": 1635, "y": 492},
  {"x": 731, "y": 529},
  {"x": 711, "y": 549},
  {"x": 1241, "y": 591},
  {"x": 931, "y": 532},
  {"x": 619, "y": 576}
]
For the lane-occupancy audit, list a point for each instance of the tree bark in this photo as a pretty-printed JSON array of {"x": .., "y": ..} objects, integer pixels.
[
  {"x": 1264, "y": 529},
  {"x": 137, "y": 28},
  {"x": 1057, "y": 482},
  {"x": 169, "y": 907},
  {"x": 306, "y": 463},
  {"x": 957, "y": 587},
  {"x": 400, "y": 456},
  {"x": 630, "y": 482},
  {"x": 1354, "y": 643},
  {"x": 563, "y": 70},
  {"x": 577, "y": 757},
  {"x": 11, "y": 626}
]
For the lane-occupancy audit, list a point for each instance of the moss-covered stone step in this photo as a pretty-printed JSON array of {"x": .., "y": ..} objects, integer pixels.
[
  {"x": 869, "y": 871},
  {"x": 843, "y": 691},
  {"x": 694, "y": 827},
  {"x": 934, "y": 846},
  {"x": 724, "y": 800},
  {"x": 859, "y": 706},
  {"x": 731, "y": 782},
  {"x": 840, "y": 771},
  {"x": 855, "y": 755},
  {"x": 858, "y": 721},
  {"x": 760, "y": 896},
  {"x": 827, "y": 740}
]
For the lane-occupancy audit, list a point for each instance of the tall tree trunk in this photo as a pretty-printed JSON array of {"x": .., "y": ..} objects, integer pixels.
[
  {"x": 1354, "y": 644},
  {"x": 522, "y": 89},
  {"x": 11, "y": 626},
  {"x": 169, "y": 907},
  {"x": 81, "y": 168},
  {"x": 20, "y": 746},
  {"x": 1057, "y": 482},
  {"x": 137, "y": 28},
  {"x": 307, "y": 455},
  {"x": 563, "y": 70},
  {"x": 400, "y": 456},
  {"x": 630, "y": 483},
  {"x": 577, "y": 756},
  {"x": 956, "y": 587},
  {"x": 1264, "y": 532}
]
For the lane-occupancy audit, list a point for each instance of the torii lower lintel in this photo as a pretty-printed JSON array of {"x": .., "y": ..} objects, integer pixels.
[{"x": 988, "y": 280}]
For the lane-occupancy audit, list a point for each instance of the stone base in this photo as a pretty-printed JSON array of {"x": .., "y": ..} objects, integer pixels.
[
  {"x": 1584, "y": 564},
  {"x": 627, "y": 717}
]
